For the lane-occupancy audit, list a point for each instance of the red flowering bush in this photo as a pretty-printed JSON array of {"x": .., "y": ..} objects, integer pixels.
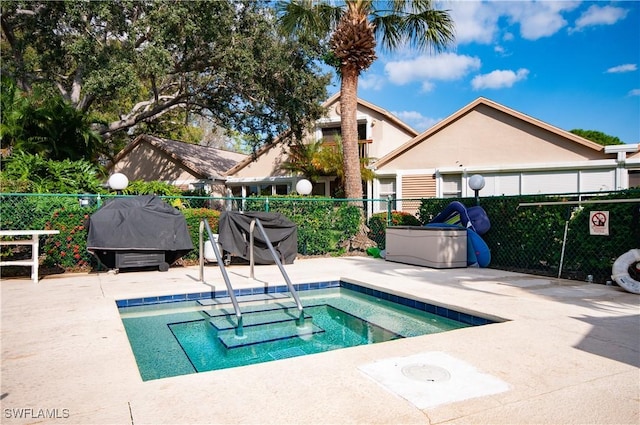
[{"x": 68, "y": 249}]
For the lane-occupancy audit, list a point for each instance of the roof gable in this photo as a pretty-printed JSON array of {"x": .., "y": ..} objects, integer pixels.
[
  {"x": 392, "y": 119},
  {"x": 479, "y": 104},
  {"x": 330, "y": 102},
  {"x": 203, "y": 161}
]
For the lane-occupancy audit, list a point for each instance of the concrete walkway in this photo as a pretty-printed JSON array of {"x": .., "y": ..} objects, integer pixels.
[{"x": 568, "y": 352}]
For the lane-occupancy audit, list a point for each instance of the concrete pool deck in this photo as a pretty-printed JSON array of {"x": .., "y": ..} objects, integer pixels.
[{"x": 568, "y": 352}]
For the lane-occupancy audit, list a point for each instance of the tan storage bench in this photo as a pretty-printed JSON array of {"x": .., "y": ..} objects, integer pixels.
[{"x": 439, "y": 248}]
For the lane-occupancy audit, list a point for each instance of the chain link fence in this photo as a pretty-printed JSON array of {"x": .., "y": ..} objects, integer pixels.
[
  {"x": 542, "y": 235},
  {"x": 575, "y": 237}
]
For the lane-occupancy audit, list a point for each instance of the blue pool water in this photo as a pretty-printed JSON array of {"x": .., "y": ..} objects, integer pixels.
[{"x": 170, "y": 337}]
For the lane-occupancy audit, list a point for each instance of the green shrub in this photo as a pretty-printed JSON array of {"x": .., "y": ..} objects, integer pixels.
[
  {"x": 314, "y": 220},
  {"x": 347, "y": 219},
  {"x": 322, "y": 223},
  {"x": 193, "y": 217},
  {"x": 596, "y": 253},
  {"x": 34, "y": 174},
  {"x": 141, "y": 187},
  {"x": 378, "y": 225},
  {"x": 431, "y": 207}
]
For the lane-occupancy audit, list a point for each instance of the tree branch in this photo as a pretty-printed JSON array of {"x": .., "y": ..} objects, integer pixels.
[{"x": 134, "y": 118}]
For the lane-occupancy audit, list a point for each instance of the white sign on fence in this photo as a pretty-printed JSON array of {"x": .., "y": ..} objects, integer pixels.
[{"x": 599, "y": 223}]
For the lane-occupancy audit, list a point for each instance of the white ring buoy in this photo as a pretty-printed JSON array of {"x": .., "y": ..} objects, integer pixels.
[{"x": 620, "y": 271}]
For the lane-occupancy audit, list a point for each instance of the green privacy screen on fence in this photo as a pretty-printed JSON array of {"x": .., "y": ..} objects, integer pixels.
[{"x": 546, "y": 235}]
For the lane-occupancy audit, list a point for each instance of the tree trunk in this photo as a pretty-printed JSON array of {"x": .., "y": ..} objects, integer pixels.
[{"x": 349, "y": 127}]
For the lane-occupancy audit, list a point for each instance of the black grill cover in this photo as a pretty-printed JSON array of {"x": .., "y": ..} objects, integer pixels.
[
  {"x": 141, "y": 223},
  {"x": 233, "y": 230}
]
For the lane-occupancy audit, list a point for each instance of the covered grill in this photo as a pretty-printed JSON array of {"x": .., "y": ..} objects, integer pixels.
[
  {"x": 141, "y": 231},
  {"x": 234, "y": 227}
]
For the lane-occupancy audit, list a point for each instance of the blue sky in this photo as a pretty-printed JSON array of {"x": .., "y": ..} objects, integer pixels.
[{"x": 571, "y": 64}]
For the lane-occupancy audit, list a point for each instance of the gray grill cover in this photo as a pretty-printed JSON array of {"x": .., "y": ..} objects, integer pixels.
[
  {"x": 141, "y": 223},
  {"x": 233, "y": 230}
]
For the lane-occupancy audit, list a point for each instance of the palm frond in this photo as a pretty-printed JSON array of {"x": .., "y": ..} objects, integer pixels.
[
  {"x": 307, "y": 18},
  {"x": 414, "y": 22}
]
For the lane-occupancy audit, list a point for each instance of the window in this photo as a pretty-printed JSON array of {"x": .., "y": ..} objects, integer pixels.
[
  {"x": 387, "y": 188},
  {"x": 549, "y": 182},
  {"x": 451, "y": 185},
  {"x": 265, "y": 189},
  {"x": 282, "y": 189},
  {"x": 329, "y": 134},
  {"x": 253, "y": 190}
]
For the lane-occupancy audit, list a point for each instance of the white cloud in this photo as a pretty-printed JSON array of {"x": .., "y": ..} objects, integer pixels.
[
  {"x": 628, "y": 67},
  {"x": 480, "y": 21},
  {"x": 426, "y": 86},
  {"x": 416, "y": 119},
  {"x": 371, "y": 82},
  {"x": 475, "y": 21},
  {"x": 600, "y": 15},
  {"x": 538, "y": 19},
  {"x": 498, "y": 79},
  {"x": 447, "y": 67},
  {"x": 501, "y": 51},
  {"x": 634, "y": 92}
]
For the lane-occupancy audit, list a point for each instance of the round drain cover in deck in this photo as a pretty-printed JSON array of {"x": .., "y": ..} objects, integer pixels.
[{"x": 426, "y": 373}]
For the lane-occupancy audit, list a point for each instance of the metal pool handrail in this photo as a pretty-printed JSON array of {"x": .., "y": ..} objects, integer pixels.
[
  {"x": 225, "y": 276},
  {"x": 292, "y": 290}
]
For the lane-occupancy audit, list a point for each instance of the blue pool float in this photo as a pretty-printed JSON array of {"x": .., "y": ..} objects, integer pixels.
[
  {"x": 456, "y": 213},
  {"x": 479, "y": 249},
  {"x": 477, "y": 223}
]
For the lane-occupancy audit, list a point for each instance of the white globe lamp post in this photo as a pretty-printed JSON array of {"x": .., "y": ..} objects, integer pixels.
[
  {"x": 476, "y": 182},
  {"x": 304, "y": 187},
  {"x": 118, "y": 182}
]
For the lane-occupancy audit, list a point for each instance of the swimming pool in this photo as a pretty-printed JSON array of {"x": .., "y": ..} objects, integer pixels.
[{"x": 190, "y": 333}]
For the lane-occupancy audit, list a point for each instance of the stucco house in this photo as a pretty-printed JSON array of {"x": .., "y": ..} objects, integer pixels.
[
  {"x": 379, "y": 132},
  {"x": 188, "y": 166},
  {"x": 515, "y": 153}
]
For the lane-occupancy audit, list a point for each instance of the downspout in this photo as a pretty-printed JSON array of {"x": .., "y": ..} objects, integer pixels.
[{"x": 621, "y": 181}]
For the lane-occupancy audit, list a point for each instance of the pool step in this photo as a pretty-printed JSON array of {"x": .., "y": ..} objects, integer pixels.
[
  {"x": 248, "y": 307},
  {"x": 267, "y": 332},
  {"x": 245, "y": 298},
  {"x": 224, "y": 320}
]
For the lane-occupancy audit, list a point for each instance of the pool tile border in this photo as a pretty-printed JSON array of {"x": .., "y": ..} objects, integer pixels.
[
  {"x": 467, "y": 318},
  {"x": 397, "y": 299}
]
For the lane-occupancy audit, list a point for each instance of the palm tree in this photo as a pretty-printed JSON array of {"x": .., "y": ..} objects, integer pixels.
[
  {"x": 302, "y": 160},
  {"x": 316, "y": 159},
  {"x": 351, "y": 31}
]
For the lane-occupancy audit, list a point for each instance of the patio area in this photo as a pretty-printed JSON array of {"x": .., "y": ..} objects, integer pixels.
[{"x": 568, "y": 352}]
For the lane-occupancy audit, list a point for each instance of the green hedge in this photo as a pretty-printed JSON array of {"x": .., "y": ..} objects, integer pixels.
[
  {"x": 193, "y": 217},
  {"x": 527, "y": 239},
  {"x": 323, "y": 224},
  {"x": 322, "y": 227},
  {"x": 530, "y": 238},
  {"x": 378, "y": 225}
]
